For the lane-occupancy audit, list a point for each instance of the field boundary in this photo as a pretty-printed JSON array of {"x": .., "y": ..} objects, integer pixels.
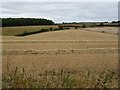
[{"x": 57, "y": 41}]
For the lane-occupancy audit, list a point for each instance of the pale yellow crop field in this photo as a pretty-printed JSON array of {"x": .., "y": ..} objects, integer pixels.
[{"x": 67, "y": 58}]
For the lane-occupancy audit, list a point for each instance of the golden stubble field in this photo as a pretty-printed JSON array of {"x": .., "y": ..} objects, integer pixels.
[{"x": 70, "y": 58}]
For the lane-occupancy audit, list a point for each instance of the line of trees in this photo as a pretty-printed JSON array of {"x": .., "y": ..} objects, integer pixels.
[{"x": 25, "y": 21}]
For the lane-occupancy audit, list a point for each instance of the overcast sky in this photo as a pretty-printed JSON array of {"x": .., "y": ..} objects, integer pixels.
[{"x": 62, "y": 11}]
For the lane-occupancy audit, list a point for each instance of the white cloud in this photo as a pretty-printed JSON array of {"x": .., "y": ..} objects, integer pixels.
[
  {"x": 62, "y": 11},
  {"x": 60, "y": 1}
]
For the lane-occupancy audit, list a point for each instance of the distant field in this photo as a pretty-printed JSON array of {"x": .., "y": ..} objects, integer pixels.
[
  {"x": 74, "y": 58},
  {"x": 12, "y": 31},
  {"x": 109, "y": 30}
]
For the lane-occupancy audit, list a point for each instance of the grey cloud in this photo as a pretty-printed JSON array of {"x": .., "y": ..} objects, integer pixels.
[{"x": 61, "y": 11}]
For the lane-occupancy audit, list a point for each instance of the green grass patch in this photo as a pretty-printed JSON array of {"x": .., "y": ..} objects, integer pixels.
[{"x": 20, "y": 30}]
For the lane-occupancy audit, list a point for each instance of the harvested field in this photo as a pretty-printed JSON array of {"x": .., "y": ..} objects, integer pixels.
[
  {"x": 73, "y": 34},
  {"x": 70, "y": 58},
  {"x": 110, "y": 30}
]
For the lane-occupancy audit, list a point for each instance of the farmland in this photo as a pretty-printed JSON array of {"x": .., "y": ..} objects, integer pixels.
[
  {"x": 110, "y": 30},
  {"x": 12, "y": 31},
  {"x": 75, "y": 58}
]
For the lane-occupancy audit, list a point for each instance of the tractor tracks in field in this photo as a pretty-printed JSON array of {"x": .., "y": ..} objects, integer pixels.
[
  {"x": 59, "y": 51},
  {"x": 57, "y": 41}
]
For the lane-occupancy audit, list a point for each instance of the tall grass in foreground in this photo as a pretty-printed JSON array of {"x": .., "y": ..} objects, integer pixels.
[{"x": 17, "y": 78}]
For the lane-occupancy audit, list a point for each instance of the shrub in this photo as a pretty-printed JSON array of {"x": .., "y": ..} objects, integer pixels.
[
  {"x": 76, "y": 27},
  {"x": 102, "y": 31},
  {"x": 51, "y": 28},
  {"x": 92, "y": 26},
  {"x": 67, "y": 28},
  {"x": 83, "y": 26},
  {"x": 29, "y": 33},
  {"x": 57, "y": 29},
  {"x": 101, "y": 24},
  {"x": 61, "y": 27}
]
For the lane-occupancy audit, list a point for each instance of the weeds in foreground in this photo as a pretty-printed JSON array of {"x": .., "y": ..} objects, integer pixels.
[{"x": 60, "y": 79}]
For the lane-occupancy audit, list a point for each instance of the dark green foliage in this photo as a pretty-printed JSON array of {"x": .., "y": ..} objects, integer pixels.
[
  {"x": 102, "y": 31},
  {"x": 51, "y": 29},
  {"x": 101, "y": 24},
  {"x": 91, "y": 26},
  {"x": 76, "y": 27},
  {"x": 0, "y": 22},
  {"x": 25, "y": 22},
  {"x": 83, "y": 26},
  {"x": 61, "y": 27},
  {"x": 25, "y": 33},
  {"x": 67, "y": 28},
  {"x": 114, "y": 22},
  {"x": 35, "y": 32},
  {"x": 57, "y": 29}
]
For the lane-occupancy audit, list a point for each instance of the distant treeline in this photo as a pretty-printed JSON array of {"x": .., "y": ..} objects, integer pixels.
[{"x": 25, "y": 22}]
